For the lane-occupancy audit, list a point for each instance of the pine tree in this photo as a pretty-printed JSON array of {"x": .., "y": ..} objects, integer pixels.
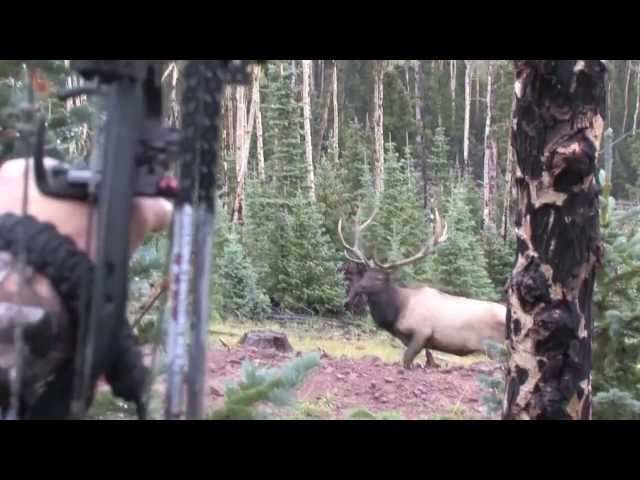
[
  {"x": 295, "y": 259},
  {"x": 334, "y": 195},
  {"x": 500, "y": 257},
  {"x": 284, "y": 148},
  {"x": 260, "y": 386},
  {"x": 307, "y": 270},
  {"x": 238, "y": 280},
  {"x": 459, "y": 265},
  {"x": 442, "y": 168},
  {"x": 399, "y": 228},
  {"x": 616, "y": 349}
]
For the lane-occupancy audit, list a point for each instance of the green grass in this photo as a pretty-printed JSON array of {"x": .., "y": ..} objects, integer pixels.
[
  {"x": 107, "y": 407},
  {"x": 335, "y": 341}
]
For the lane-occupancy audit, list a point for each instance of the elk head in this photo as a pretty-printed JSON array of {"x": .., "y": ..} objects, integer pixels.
[{"x": 377, "y": 275}]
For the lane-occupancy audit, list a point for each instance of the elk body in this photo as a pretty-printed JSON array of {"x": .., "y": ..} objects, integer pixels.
[{"x": 423, "y": 317}]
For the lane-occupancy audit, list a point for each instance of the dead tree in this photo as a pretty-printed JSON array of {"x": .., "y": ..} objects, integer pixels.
[{"x": 557, "y": 129}]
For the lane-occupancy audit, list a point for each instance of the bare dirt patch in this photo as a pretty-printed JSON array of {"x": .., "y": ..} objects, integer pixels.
[{"x": 341, "y": 385}]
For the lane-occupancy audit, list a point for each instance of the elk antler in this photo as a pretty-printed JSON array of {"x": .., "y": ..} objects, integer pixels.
[
  {"x": 440, "y": 235},
  {"x": 355, "y": 249}
]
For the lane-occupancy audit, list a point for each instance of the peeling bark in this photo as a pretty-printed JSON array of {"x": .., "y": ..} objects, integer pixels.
[{"x": 557, "y": 130}]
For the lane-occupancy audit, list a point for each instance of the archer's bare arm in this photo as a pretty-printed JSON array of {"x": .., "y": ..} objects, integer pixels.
[{"x": 71, "y": 217}]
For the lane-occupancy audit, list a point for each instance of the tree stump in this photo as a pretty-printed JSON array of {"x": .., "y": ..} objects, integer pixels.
[{"x": 266, "y": 339}]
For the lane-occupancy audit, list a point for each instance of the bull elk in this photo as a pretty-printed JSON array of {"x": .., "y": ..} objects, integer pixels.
[{"x": 423, "y": 317}]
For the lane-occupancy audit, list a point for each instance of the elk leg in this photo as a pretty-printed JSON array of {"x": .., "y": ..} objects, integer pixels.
[
  {"x": 413, "y": 349},
  {"x": 430, "y": 360}
]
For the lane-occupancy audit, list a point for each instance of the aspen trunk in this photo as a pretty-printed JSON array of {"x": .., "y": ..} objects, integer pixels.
[
  {"x": 326, "y": 99},
  {"x": 306, "y": 109},
  {"x": 378, "y": 118},
  {"x": 609, "y": 115},
  {"x": 476, "y": 111},
  {"x": 557, "y": 130},
  {"x": 452, "y": 86},
  {"x": 240, "y": 129},
  {"x": 321, "y": 67},
  {"x": 293, "y": 75},
  {"x": 626, "y": 99},
  {"x": 635, "y": 115},
  {"x": 466, "y": 166},
  {"x": 488, "y": 215},
  {"x": 244, "y": 130},
  {"x": 508, "y": 192},
  {"x": 170, "y": 86},
  {"x": 259, "y": 142},
  {"x": 336, "y": 116},
  {"x": 421, "y": 158}
]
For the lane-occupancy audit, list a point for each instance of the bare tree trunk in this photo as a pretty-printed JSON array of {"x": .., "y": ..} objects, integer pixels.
[
  {"x": 378, "y": 117},
  {"x": 306, "y": 108},
  {"x": 476, "y": 112},
  {"x": 488, "y": 214},
  {"x": 259, "y": 144},
  {"x": 240, "y": 129},
  {"x": 312, "y": 82},
  {"x": 229, "y": 120},
  {"x": 626, "y": 99},
  {"x": 452, "y": 86},
  {"x": 244, "y": 131},
  {"x": 321, "y": 67},
  {"x": 610, "y": 101},
  {"x": 324, "y": 118},
  {"x": 406, "y": 80},
  {"x": 336, "y": 117},
  {"x": 508, "y": 191},
  {"x": 421, "y": 158},
  {"x": 493, "y": 181},
  {"x": 557, "y": 130},
  {"x": 635, "y": 115},
  {"x": 293, "y": 75},
  {"x": 170, "y": 84},
  {"x": 466, "y": 166}
]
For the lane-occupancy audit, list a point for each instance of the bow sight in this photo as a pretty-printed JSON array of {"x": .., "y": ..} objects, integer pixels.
[{"x": 133, "y": 156}]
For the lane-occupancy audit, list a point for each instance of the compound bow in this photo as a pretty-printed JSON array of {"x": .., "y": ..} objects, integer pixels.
[{"x": 132, "y": 157}]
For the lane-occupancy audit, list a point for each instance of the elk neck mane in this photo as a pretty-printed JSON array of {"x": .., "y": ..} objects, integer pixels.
[{"x": 385, "y": 307}]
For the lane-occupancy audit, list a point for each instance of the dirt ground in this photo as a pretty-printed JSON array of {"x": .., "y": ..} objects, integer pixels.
[{"x": 340, "y": 385}]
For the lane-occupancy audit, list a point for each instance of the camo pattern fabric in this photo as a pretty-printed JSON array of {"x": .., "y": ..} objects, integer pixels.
[{"x": 28, "y": 298}]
